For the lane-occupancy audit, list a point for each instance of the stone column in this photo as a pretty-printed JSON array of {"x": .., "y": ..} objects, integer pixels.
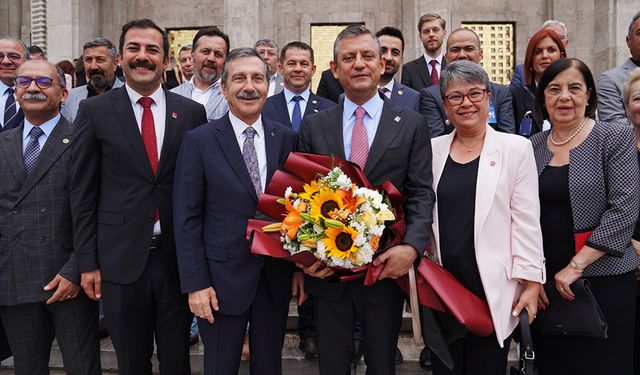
[{"x": 242, "y": 22}]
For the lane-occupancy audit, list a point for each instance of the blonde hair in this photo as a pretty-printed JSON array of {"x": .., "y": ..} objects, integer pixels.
[{"x": 626, "y": 89}]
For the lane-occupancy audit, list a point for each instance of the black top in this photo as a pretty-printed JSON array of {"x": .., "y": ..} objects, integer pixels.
[
  {"x": 556, "y": 218},
  {"x": 456, "y": 197},
  {"x": 636, "y": 231}
]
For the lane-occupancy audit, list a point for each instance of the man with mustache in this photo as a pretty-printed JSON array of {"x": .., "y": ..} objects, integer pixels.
[
  {"x": 124, "y": 152},
  {"x": 425, "y": 70},
  {"x": 40, "y": 294},
  {"x": 100, "y": 61},
  {"x": 222, "y": 167},
  {"x": 210, "y": 49},
  {"x": 12, "y": 54}
]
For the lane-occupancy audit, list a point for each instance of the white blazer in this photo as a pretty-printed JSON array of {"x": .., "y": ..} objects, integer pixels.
[{"x": 507, "y": 235}]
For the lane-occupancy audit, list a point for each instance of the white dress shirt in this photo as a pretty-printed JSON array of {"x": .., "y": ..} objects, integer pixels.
[
  {"x": 438, "y": 59},
  {"x": 288, "y": 97},
  {"x": 272, "y": 85},
  {"x": 258, "y": 142},
  {"x": 203, "y": 96}
]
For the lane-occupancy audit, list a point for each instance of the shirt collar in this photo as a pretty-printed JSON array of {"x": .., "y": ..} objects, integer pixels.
[
  {"x": 47, "y": 127},
  {"x": 215, "y": 84},
  {"x": 288, "y": 94},
  {"x": 134, "y": 96},
  {"x": 92, "y": 91},
  {"x": 3, "y": 88},
  {"x": 428, "y": 58},
  {"x": 389, "y": 85},
  {"x": 372, "y": 106},
  {"x": 239, "y": 126}
]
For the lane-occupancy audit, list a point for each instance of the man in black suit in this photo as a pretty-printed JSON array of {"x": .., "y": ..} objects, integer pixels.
[
  {"x": 40, "y": 294},
  {"x": 389, "y": 143},
  {"x": 464, "y": 44},
  {"x": 329, "y": 87},
  {"x": 126, "y": 142},
  {"x": 12, "y": 54},
  {"x": 425, "y": 70},
  {"x": 221, "y": 169}
]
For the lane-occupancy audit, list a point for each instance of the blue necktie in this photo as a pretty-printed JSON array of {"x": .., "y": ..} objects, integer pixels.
[
  {"x": 251, "y": 158},
  {"x": 33, "y": 149},
  {"x": 9, "y": 110},
  {"x": 296, "y": 116}
]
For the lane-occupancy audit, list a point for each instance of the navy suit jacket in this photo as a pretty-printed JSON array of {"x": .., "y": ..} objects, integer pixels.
[
  {"x": 214, "y": 198},
  {"x": 329, "y": 87},
  {"x": 405, "y": 97},
  {"x": 276, "y": 107}
]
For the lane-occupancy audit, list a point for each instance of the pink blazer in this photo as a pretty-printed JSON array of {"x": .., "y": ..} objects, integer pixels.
[{"x": 507, "y": 235}]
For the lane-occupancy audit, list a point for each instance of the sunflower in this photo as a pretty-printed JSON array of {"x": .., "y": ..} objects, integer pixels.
[
  {"x": 340, "y": 243},
  {"x": 310, "y": 190},
  {"x": 324, "y": 203}
]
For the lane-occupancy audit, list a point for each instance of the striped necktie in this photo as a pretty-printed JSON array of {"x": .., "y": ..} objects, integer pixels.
[{"x": 10, "y": 113}]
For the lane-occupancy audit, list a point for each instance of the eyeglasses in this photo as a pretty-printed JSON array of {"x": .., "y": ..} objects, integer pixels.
[
  {"x": 456, "y": 98},
  {"x": 11, "y": 56},
  {"x": 42, "y": 82}
]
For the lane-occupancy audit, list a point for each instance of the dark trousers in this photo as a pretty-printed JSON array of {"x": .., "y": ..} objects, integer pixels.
[
  {"x": 267, "y": 318},
  {"x": 636, "y": 347},
  {"x": 573, "y": 355},
  {"x": 32, "y": 327},
  {"x": 152, "y": 306},
  {"x": 335, "y": 321},
  {"x": 475, "y": 355},
  {"x": 306, "y": 319}
]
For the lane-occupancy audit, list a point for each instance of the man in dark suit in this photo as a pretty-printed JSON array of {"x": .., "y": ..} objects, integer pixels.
[
  {"x": 392, "y": 46},
  {"x": 389, "y": 143},
  {"x": 40, "y": 294},
  {"x": 329, "y": 87},
  {"x": 221, "y": 169},
  {"x": 464, "y": 44},
  {"x": 425, "y": 70},
  {"x": 126, "y": 142},
  {"x": 12, "y": 54}
]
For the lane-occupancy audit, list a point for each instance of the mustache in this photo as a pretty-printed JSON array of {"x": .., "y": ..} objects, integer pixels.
[
  {"x": 96, "y": 72},
  {"x": 209, "y": 64},
  {"x": 142, "y": 64},
  {"x": 248, "y": 95},
  {"x": 38, "y": 96}
]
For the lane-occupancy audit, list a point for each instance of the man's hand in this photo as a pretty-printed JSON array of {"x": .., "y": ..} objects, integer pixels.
[
  {"x": 65, "y": 289},
  {"x": 316, "y": 270},
  {"x": 398, "y": 260},
  {"x": 202, "y": 301},
  {"x": 297, "y": 287},
  {"x": 92, "y": 284}
]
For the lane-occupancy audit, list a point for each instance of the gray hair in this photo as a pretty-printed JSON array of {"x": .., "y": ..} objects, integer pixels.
[
  {"x": 267, "y": 42},
  {"x": 59, "y": 72},
  {"x": 463, "y": 71},
  {"x": 352, "y": 31},
  {"x": 186, "y": 47},
  {"x": 554, "y": 23},
  {"x": 633, "y": 20},
  {"x": 25, "y": 52},
  {"x": 240, "y": 53},
  {"x": 102, "y": 42}
]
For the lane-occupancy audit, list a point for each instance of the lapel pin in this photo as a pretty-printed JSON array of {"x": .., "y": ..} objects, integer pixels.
[
  {"x": 400, "y": 92},
  {"x": 315, "y": 110},
  {"x": 174, "y": 115},
  {"x": 397, "y": 119},
  {"x": 314, "y": 102},
  {"x": 281, "y": 84},
  {"x": 492, "y": 163},
  {"x": 273, "y": 134},
  {"x": 65, "y": 141}
]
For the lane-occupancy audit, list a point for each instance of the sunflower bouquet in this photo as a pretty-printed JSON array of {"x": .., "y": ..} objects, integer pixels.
[{"x": 334, "y": 219}]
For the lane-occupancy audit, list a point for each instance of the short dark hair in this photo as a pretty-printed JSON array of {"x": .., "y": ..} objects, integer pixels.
[
  {"x": 430, "y": 17},
  {"x": 186, "y": 47},
  {"x": 102, "y": 42},
  {"x": 633, "y": 20},
  {"x": 239, "y": 53},
  {"x": 298, "y": 45},
  {"x": 557, "y": 67},
  {"x": 353, "y": 31},
  {"x": 33, "y": 50},
  {"x": 210, "y": 31},
  {"x": 391, "y": 31},
  {"x": 145, "y": 23}
]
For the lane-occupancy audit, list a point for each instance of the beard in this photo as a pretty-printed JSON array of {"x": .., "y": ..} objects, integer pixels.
[
  {"x": 98, "y": 81},
  {"x": 208, "y": 77}
]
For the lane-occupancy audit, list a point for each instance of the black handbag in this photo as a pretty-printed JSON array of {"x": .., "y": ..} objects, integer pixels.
[
  {"x": 581, "y": 317},
  {"x": 527, "y": 354}
]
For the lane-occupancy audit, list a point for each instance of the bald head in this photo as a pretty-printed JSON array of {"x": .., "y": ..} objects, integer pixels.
[{"x": 463, "y": 44}]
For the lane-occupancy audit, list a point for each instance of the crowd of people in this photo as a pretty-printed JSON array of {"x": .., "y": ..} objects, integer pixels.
[{"x": 127, "y": 191}]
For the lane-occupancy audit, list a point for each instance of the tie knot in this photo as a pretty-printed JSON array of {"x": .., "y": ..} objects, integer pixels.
[
  {"x": 360, "y": 112},
  {"x": 250, "y": 132},
  {"x": 9, "y": 91},
  {"x": 145, "y": 102},
  {"x": 383, "y": 90},
  {"x": 433, "y": 63},
  {"x": 297, "y": 98},
  {"x": 36, "y": 132}
]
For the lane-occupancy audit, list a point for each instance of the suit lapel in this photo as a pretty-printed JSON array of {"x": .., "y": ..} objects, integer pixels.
[
  {"x": 12, "y": 149},
  {"x": 490, "y": 166},
  {"x": 280, "y": 103},
  {"x": 271, "y": 142},
  {"x": 423, "y": 71},
  {"x": 312, "y": 106},
  {"x": 170, "y": 130},
  {"x": 333, "y": 130},
  {"x": 229, "y": 145},
  {"x": 214, "y": 102},
  {"x": 440, "y": 150},
  {"x": 388, "y": 128}
]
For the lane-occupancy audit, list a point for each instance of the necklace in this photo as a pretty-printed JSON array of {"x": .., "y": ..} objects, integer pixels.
[
  {"x": 472, "y": 145},
  {"x": 560, "y": 143}
]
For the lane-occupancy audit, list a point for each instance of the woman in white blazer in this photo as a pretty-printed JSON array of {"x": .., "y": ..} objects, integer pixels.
[{"x": 486, "y": 218}]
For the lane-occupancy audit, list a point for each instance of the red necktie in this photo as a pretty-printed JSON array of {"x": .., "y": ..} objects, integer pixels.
[
  {"x": 359, "y": 140},
  {"x": 149, "y": 135},
  {"x": 435, "y": 79}
]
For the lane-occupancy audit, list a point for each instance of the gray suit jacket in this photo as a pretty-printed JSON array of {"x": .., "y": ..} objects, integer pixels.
[
  {"x": 216, "y": 105},
  {"x": 610, "y": 105},
  {"x": 76, "y": 95},
  {"x": 405, "y": 97},
  {"x": 279, "y": 84},
  {"x": 432, "y": 107},
  {"x": 35, "y": 217}
]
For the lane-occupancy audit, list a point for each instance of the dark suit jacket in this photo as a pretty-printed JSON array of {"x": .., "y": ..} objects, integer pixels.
[
  {"x": 432, "y": 107},
  {"x": 405, "y": 97},
  {"x": 214, "y": 199},
  {"x": 275, "y": 107},
  {"x": 415, "y": 74},
  {"x": 329, "y": 87},
  {"x": 35, "y": 217},
  {"x": 114, "y": 191},
  {"x": 400, "y": 153},
  {"x": 522, "y": 100}
]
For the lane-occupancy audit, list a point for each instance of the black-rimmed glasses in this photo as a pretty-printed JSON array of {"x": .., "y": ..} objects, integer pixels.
[
  {"x": 42, "y": 82},
  {"x": 474, "y": 95}
]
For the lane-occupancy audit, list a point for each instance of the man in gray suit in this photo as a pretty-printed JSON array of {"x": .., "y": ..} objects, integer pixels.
[
  {"x": 40, "y": 296},
  {"x": 270, "y": 51},
  {"x": 464, "y": 44},
  {"x": 210, "y": 50},
  {"x": 99, "y": 58},
  {"x": 610, "y": 106}
]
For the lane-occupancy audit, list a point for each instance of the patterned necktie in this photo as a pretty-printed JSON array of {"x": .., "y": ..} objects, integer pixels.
[
  {"x": 251, "y": 158},
  {"x": 296, "y": 115},
  {"x": 9, "y": 110},
  {"x": 149, "y": 132},
  {"x": 359, "y": 140},
  {"x": 32, "y": 150},
  {"x": 435, "y": 79},
  {"x": 383, "y": 90}
]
